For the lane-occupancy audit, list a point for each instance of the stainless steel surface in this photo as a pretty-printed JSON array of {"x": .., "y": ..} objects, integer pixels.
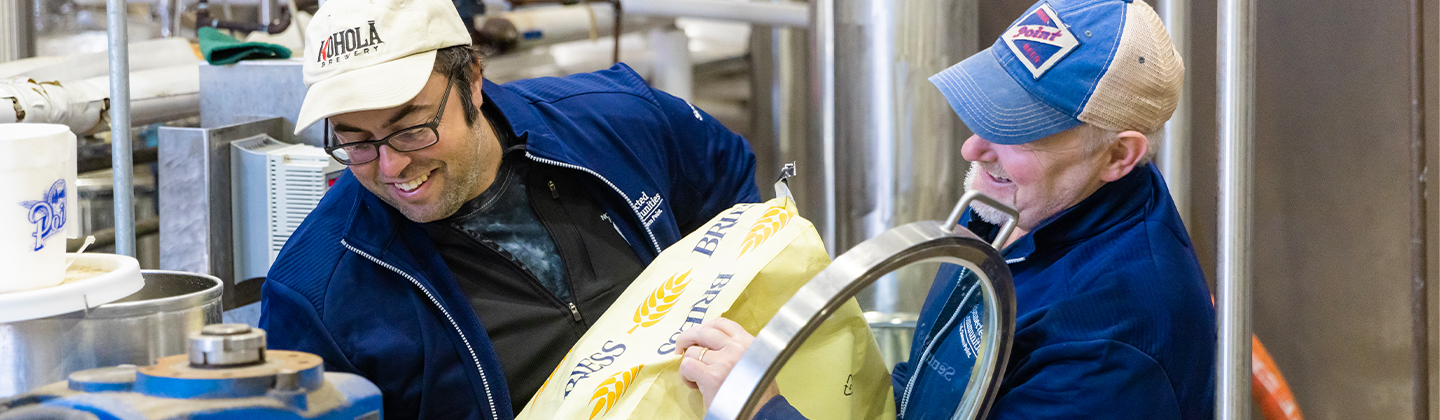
[
  {"x": 851, "y": 272},
  {"x": 195, "y": 201},
  {"x": 97, "y": 212},
  {"x": 893, "y": 333},
  {"x": 17, "y": 30},
  {"x": 674, "y": 69},
  {"x": 1237, "y": 133},
  {"x": 757, "y": 12},
  {"x": 822, "y": 123},
  {"x": 222, "y": 345},
  {"x": 1001, "y": 238},
  {"x": 1174, "y": 152},
  {"x": 1419, "y": 230},
  {"x": 119, "y": 54},
  {"x": 893, "y": 144},
  {"x": 152, "y": 323},
  {"x": 254, "y": 90}
]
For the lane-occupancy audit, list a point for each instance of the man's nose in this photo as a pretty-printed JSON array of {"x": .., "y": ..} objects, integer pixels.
[
  {"x": 977, "y": 149},
  {"x": 392, "y": 163}
]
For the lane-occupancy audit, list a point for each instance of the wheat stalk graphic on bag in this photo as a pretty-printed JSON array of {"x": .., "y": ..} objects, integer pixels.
[
  {"x": 610, "y": 391},
  {"x": 659, "y": 303},
  {"x": 773, "y": 220}
]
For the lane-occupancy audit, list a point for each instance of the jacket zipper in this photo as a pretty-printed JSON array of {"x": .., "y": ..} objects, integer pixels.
[
  {"x": 485, "y": 381},
  {"x": 631, "y": 204},
  {"x": 574, "y": 310},
  {"x": 929, "y": 346},
  {"x": 554, "y": 196}
]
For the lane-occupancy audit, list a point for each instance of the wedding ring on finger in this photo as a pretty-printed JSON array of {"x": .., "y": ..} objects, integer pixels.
[{"x": 701, "y": 358}]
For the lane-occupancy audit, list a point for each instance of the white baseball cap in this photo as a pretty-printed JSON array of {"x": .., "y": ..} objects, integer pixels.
[{"x": 373, "y": 54}]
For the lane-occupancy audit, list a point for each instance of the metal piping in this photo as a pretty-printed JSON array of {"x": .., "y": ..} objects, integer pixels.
[
  {"x": 1419, "y": 293},
  {"x": 1236, "y": 87},
  {"x": 760, "y": 13},
  {"x": 822, "y": 36},
  {"x": 1174, "y": 156},
  {"x": 17, "y": 30},
  {"x": 674, "y": 69},
  {"x": 121, "y": 162}
]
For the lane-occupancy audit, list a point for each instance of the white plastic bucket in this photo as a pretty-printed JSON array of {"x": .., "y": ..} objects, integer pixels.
[{"x": 37, "y": 204}]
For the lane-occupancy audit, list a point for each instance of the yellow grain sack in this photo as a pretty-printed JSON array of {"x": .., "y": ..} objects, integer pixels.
[{"x": 744, "y": 264}]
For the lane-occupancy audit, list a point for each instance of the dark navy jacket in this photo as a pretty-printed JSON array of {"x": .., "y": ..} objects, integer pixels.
[
  {"x": 1114, "y": 319},
  {"x": 364, "y": 287}
]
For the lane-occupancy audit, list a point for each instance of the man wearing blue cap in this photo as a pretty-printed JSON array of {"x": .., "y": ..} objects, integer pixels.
[{"x": 1113, "y": 314}]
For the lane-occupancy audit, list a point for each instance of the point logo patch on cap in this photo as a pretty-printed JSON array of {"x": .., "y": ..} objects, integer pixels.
[{"x": 1040, "y": 40}]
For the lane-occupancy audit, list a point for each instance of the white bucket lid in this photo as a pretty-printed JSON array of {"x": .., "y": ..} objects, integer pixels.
[{"x": 122, "y": 278}]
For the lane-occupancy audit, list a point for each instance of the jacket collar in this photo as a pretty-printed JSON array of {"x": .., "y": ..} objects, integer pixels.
[
  {"x": 1113, "y": 204},
  {"x": 527, "y": 124}
]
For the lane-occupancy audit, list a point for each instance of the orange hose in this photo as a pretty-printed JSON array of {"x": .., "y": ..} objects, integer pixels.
[{"x": 1267, "y": 385}]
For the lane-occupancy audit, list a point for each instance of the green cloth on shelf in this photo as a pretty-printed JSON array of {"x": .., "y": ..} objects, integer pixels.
[{"x": 220, "y": 48}]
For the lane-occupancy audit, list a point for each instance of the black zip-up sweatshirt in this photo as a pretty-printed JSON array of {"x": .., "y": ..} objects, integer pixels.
[{"x": 533, "y": 327}]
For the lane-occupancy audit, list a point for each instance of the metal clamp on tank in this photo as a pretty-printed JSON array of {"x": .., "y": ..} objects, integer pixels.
[{"x": 851, "y": 272}]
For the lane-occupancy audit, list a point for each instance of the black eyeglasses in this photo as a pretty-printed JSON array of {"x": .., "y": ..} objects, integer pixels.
[{"x": 406, "y": 140}]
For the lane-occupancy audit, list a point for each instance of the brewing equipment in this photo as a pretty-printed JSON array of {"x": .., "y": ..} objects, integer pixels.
[
  {"x": 135, "y": 330},
  {"x": 227, "y": 374}
]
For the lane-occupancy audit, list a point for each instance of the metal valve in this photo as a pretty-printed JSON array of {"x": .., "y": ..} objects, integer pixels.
[{"x": 226, "y": 345}]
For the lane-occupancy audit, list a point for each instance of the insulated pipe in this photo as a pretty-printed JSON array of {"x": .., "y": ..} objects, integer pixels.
[
  {"x": 760, "y": 13},
  {"x": 1236, "y": 87},
  {"x": 120, "y": 128},
  {"x": 157, "y": 95},
  {"x": 1174, "y": 159}
]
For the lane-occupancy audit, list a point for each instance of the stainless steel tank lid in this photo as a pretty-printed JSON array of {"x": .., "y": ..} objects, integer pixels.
[
  {"x": 164, "y": 291},
  {"x": 122, "y": 278},
  {"x": 225, "y": 345}
]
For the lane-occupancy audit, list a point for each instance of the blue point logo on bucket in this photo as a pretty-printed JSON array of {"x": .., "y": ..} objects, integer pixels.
[
  {"x": 47, "y": 214},
  {"x": 1040, "y": 40}
]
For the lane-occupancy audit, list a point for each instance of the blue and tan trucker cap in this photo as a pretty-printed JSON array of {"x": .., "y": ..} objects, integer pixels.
[{"x": 1108, "y": 63}]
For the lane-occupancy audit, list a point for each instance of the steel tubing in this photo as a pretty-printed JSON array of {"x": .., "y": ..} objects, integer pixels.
[
  {"x": 822, "y": 36},
  {"x": 1236, "y": 87},
  {"x": 121, "y": 162},
  {"x": 1174, "y": 156},
  {"x": 761, "y": 13}
]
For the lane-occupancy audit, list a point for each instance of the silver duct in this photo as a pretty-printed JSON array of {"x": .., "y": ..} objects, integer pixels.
[
  {"x": 17, "y": 30},
  {"x": 890, "y": 141}
]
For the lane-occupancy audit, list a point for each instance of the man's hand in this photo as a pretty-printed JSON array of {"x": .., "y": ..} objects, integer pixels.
[{"x": 711, "y": 351}]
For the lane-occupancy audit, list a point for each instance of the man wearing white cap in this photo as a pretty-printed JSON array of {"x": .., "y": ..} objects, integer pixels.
[
  {"x": 481, "y": 228},
  {"x": 1113, "y": 314}
]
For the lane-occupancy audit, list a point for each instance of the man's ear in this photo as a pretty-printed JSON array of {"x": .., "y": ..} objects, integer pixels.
[
  {"x": 1123, "y": 155},
  {"x": 478, "y": 83}
]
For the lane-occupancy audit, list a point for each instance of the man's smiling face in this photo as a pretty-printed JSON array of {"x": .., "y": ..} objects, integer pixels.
[
  {"x": 1039, "y": 179},
  {"x": 431, "y": 183}
]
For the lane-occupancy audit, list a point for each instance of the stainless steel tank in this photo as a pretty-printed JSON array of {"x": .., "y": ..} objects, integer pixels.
[
  {"x": 136, "y": 330},
  {"x": 891, "y": 142}
]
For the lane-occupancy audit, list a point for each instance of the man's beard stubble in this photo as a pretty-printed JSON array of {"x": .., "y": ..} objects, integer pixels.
[
  {"x": 988, "y": 214},
  {"x": 460, "y": 174}
]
